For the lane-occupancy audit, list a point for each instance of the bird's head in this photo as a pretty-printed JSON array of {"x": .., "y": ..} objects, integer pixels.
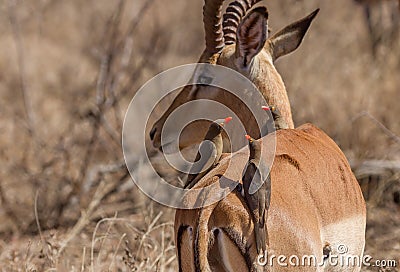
[
  {"x": 252, "y": 142},
  {"x": 248, "y": 137},
  {"x": 254, "y": 146},
  {"x": 274, "y": 111},
  {"x": 220, "y": 123}
]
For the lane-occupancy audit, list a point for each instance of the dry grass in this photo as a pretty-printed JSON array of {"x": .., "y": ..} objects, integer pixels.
[
  {"x": 134, "y": 243},
  {"x": 67, "y": 72}
]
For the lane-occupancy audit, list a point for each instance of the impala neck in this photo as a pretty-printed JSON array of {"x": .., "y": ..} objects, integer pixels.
[{"x": 271, "y": 86}]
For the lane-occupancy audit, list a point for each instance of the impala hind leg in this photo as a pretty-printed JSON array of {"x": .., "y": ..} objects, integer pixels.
[
  {"x": 185, "y": 247},
  {"x": 224, "y": 255}
]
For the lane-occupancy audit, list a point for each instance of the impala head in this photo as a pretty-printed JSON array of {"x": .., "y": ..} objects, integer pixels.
[{"x": 240, "y": 42}]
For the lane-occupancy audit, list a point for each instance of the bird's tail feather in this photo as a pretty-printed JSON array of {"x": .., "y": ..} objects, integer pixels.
[{"x": 260, "y": 233}]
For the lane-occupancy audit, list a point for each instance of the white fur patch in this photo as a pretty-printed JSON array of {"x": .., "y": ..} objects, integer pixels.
[
  {"x": 224, "y": 253},
  {"x": 346, "y": 238}
]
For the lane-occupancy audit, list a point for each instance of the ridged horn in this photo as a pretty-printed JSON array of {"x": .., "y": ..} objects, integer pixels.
[
  {"x": 233, "y": 16},
  {"x": 212, "y": 19}
]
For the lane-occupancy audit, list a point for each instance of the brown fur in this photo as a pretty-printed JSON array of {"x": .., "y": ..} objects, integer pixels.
[
  {"x": 318, "y": 193},
  {"x": 289, "y": 159}
]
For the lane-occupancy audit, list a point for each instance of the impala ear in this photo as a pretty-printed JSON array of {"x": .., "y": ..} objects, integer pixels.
[
  {"x": 288, "y": 39},
  {"x": 251, "y": 36}
]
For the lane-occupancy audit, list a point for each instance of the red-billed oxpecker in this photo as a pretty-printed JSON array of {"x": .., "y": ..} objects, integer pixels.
[
  {"x": 209, "y": 153},
  {"x": 257, "y": 193},
  {"x": 280, "y": 122}
]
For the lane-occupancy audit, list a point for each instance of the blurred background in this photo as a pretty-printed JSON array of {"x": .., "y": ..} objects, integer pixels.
[{"x": 68, "y": 70}]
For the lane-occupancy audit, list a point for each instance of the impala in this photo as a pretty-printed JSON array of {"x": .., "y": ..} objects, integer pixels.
[{"x": 316, "y": 208}]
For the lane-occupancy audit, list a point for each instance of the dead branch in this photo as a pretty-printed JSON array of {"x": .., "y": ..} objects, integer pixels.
[
  {"x": 101, "y": 170},
  {"x": 9, "y": 210},
  {"x": 134, "y": 24},
  {"x": 27, "y": 100},
  {"x": 387, "y": 131},
  {"x": 375, "y": 167},
  {"x": 383, "y": 187},
  {"x": 103, "y": 189}
]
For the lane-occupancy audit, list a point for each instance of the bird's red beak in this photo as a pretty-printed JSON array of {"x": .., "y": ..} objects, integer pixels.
[
  {"x": 247, "y": 137},
  {"x": 266, "y": 108},
  {"x": 227, "y": 120}
]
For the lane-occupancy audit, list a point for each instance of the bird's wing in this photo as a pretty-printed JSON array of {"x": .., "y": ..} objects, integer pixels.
[
  {"x": 260, "y": 176},
  {"x": 280, "y": 123},
  {"x": 264, "y": 199},
  {"x": 261, "y": 208},
  {"x": 264, "y": 171},
  {"x": 256, "y": 203},
  {"x": 251, "y": 199},
  {"x": 267, "y": 187},
  {"x": 257, "y": 180},
  {"x": 205, "y": 157},
  {"x": 204, "y": 160},
  {"x": 245, "y": 171}
]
